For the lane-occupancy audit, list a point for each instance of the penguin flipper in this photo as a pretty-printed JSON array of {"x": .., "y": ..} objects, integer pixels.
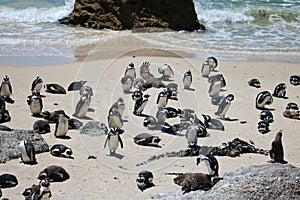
[
  {"x": 105, "y": 143},
  {"x": 120, "y": 140},
  {"x": 10, "y": 88}
]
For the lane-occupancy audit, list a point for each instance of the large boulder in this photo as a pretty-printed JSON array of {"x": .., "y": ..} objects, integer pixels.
[
  {"x": 94, "y": 128},
  {"x": 130, "y": 14},
  {"x": 269, "y": 181},
  {"x": 9, "y": 143}
]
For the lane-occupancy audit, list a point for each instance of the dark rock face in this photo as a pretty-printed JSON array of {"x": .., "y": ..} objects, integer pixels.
[
  {"x": 130, "y": 14},
  {"x": 9, "y": 143},
  {"x": 269, "y": 181},
  {"x": 94, "y": 128}
]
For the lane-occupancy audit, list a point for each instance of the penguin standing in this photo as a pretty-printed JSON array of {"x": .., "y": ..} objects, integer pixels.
[
  {"x": 140, "y": 104},
  {"x": 61, "y": 127},
  {"x": 45, "y": 192},
  {"x": 127, "y": 83},
  {"x": 114, "y": 119},
  {"x": 36, "y": 103},
  {"x": 54, "y": 173},
  {"x": 280, "y": 90},
  {"x": 82, "y": 106},
  {"x": 191, "y": 136},
  {"x": 205, "y": 69},
  {"x": 37, "y": 85},
  {"x": 276, "y": 152},
  {"x": 144, "y": 180},
  {"x": 113, "y": 139},
  {"x": 262, "y": 99},
  {"x": 213, "y": 63},
  {"x": 6, "y": 88},
  {"x": 60, "y": 150},
  {"x": 130, "y": 71},
  {"x": 27, "y": 152},
  {"x": 162, "y": 99},
  {"x": 211, "y": 162},
  {"x": 119, "y": 105},
  {"x": 187, "y": 79},
  {"x": 224, "y": 106},
  {"x": 166, "y": 71}
]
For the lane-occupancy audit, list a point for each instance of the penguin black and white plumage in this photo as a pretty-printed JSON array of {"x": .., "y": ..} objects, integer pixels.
[
  {"x": 31, "y": 192},
  {"x": 292, "y": 106},
  {"x": 119, "y": 105},
  {"x": 295, "y": 80},
  {"x": 113, "y": 139},
  {"x": 212, "y": 123},
  {"x": 54, "y": 88},
  {"x": 6, "y": 88},
  {"x": 114, "y": 119},
  {"x": 172, "y": 112},
  {"x": 161, "y": 115},
  {"x": 186, "y": 114},
  {"x": 41, "y": 126},
  {"x": 276, "y": 152},
  {"x": 61, "y": 127},
  {"x": 76, "y": 85},
  {"x": 166, "y": 71},
  {"x": 191, "y": 136},
  {"x": 130, "y": 71},
  {"x": 74, "y": 124},
  {"x": 254, "y": 83},
  {"x": 140, "y": 104},
  {"x": 205, "y": 69},
  {"x": 213, "y": 63},
  {"x": 86, "y": 91},
  {"x": 187, "y": 79},
  {"x": 211, "y": 162},
  {"x": 280, "y": 90},
  {"x": 27, "y": 152},
  {"x": 144, "y": 180},
  {"x": 54, "y": 173},
  {"x": 37, "y": 85},
  {"x": 267, "y": 116},
  {"x": 263, "y": 127},
  {"x": 4, "y": 116},
  {"x": 82, "y": 106},
  {"x": 224, "y": 106},
  {"x": 147, "y": 139},
  {"x": 217, "y": 77},
  {"x": 172, "y": 87},
  {"x": 137, "y": 95},
  {"x": 262, "y": 99},
  {"x": 162, "y": 98},
  {"x": 127, "y": 83},
  {"x": 60, "y": 150},
  {"x": 44, "y": 190},
  {"x": 150, "y": 122},
  {"x": 52, "y": 117},
  {"x": 36, "y": 103},
  {"x": 8, "y": 181},
  {"x": 172, "y": 94}
]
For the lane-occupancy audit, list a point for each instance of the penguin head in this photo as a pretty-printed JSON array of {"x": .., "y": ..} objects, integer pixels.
[
  {"x": 141, "y": 181},
  {"x": 263, "y": 127},
  {"x": 45, "y": 182},
  {"x": 28, "y": 192},
  {"x": 6, "y": 79},
  {"x": 200, "y": 158},
  {"x": 131, "y": 65},
  {"x": 42, "y": 175},
  {"x": 156, "y": 139},
  {"x": 230, "y": 97},
  {"x": 69, "y": 152}
]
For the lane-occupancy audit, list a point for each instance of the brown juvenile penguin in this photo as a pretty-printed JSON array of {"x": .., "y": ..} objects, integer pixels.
[{"x": 276, "y": 152}]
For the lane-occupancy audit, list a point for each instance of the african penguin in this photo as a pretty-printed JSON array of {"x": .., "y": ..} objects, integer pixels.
[
  {"x": 76, "y": 85},
  {"x": 127, "y": 83},
  {"x": 139, "y": 84},
  {"x": 262, "y": 99},
  {"x": 205, "y": 69},
  {"x": 113, "y": 139},
  {"x": 292, "y": 106},
  {"x": 86, "y": 91},
  {"x": 263, "y": 127},
  {"x": 295, "y": 80},
  {"x": 35, "y": 103},
  {"x": 211, "y": 163},
  {"x": 74, "y": 124},
  {"x": 224, "y": 106},
  {"x": 37, "y": 85},
  {"x": 45, "y": 192},
  {"x": 140, "y": 104},
  {"x": 54, "y": 173},
  {"x": 114, "y": 119},
  {"x": 280, "y": 90},
  {"x": 54, "y": 88},
  {"x": 267, "y": 116},
  {"x": 172, "y": 112},
  {"x": 162, "y": 99},
  {"x": 191, "y": 136},
  {"x": 61, "y": 127},
  {"x": 150, "y": 122},
  {"x": 212, "y": 123},
  {"x": 8, "y": 180},
  {"x": 6, "y": 88},
  {"x": 130, "y": 71},
  {"x": 161, "y": 115},
  {"x": 31, "y": 192},
  {"x": 147, "y": 139},
  {"x": 52, "y": 117},
  {"x": 213, "y": 63},
  {"x": 27, "y": 152},
  {"x": 136, "y": 95},
  {"x": 144, "y": 180},
  {"x": 119, "y": 105},
  {"x": 166, "y": 71},
  {"x": 254, "y": 83},
  {"x": 187, "y": 79},
  {"x": 82, "y": 106},
  {"x": 41, "y": 126},
  {"x": 276, "y": 152},
  {"x": 60, "y": 150},
  {"x": 218, "y": 77}
]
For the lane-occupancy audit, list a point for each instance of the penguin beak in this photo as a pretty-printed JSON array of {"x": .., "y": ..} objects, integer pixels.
[{"x": 198, "y": 161}]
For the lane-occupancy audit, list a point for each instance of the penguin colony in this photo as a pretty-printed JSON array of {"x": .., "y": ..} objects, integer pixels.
[{"x": 193, "y": 126}]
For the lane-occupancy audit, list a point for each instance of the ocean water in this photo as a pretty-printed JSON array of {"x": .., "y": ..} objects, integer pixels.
[{"x": 268, "y": 29}]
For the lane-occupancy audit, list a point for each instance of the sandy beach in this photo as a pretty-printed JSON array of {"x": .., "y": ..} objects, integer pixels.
[{"x": 110, "y": 177}]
